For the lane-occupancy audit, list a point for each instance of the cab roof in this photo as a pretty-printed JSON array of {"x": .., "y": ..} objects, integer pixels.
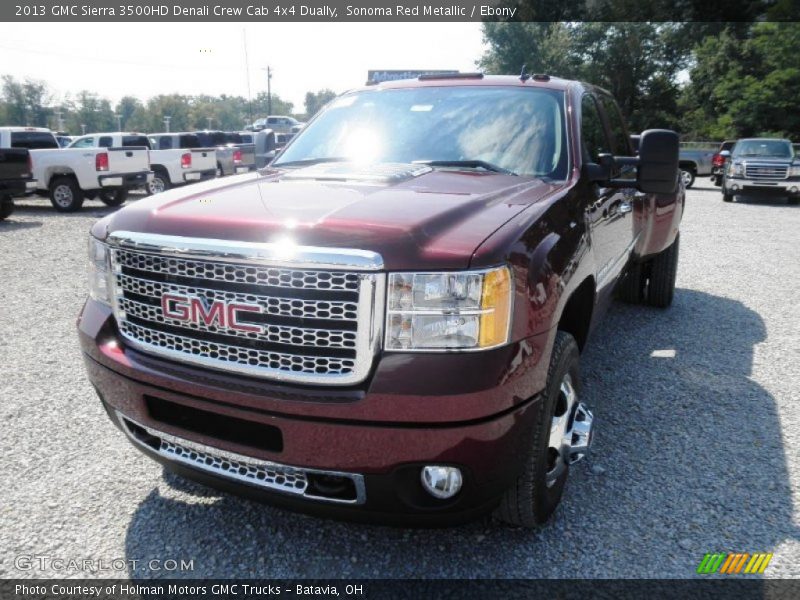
[{"x": 475, "y": 79}]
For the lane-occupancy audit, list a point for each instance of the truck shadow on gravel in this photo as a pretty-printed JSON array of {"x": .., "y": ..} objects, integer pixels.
[{"x": 688, "y": 459}]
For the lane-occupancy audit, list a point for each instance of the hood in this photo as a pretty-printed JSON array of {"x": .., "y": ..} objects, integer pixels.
[{"x": 415, "y": 218}]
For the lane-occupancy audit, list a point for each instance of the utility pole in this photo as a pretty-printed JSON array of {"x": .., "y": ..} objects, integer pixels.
[
  {"x": 119, "y": 121},
  {"x": 60, "y": 120},
  {"x": 208, "y": 122},
  {"x": 166, "y": 123},
  {"x": 269, "y": 89},
  {"x": 83, "y": 128}
]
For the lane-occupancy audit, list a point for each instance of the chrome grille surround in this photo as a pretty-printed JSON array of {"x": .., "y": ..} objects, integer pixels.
[
  {"x": 328, "y": 336},
  {"x": 765, "y": 171},
  {"x": 253, "y": 471}
]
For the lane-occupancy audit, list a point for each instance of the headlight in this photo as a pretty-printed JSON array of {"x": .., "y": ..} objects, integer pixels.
[
  {"x": 99, "y": 267},
  {"x": 794, "y": 171},
  {"x": 467, "y": 310},
  {"x": 736, "y": 170}
]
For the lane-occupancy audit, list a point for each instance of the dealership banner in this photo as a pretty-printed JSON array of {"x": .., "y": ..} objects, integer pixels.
[
  {"x": 397, "y": 11},
  {"x": 389, "y": 589}
]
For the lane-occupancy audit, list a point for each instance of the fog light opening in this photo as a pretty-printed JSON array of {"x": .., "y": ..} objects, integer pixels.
[
  {"x": 441, "y": 482},
  {"x": 793, "y": 189},
  {"x": 735, "y": 187}
]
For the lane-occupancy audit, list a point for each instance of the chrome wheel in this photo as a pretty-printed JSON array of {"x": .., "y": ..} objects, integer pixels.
[
  {"x": 62, "y": 195},
  {"x": 687, "y": 177},
  {"x": 570, "y": 432},
  {"x": 156, "y": 186}
]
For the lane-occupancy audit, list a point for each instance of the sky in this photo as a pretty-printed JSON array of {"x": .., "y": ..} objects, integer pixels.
[{"x": 147, "y": 59}]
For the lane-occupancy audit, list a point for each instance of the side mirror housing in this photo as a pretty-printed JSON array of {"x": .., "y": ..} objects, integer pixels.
[
  {"x": 657, "y": 171},
  {"x": 725, "y": 154},
  {"x": 635, "y": 139}
]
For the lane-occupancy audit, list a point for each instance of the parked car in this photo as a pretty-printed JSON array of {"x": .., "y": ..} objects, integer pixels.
[
  {"x": 229, "y": 157},
  {"x": 278, "y": 124},
  {"x": 69, "y": 175},
  {"x": 695, "y": 160},
  {"x": 388, "y": 330},
  {"x": 718, "y": 161},
  {"x": 15, "y": 178},
  {"x": 170, "y": 166},
  {"x": 245, "y": 160},
  {"x": 762, "y": 167}
]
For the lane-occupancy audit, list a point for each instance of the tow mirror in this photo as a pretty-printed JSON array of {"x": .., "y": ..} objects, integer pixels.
[
  {"x": 657, "y": 171},
  {"x": 656, "y": 164}
]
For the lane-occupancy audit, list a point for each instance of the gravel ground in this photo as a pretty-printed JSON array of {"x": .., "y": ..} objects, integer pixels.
[{"x": 698, "y": 409}]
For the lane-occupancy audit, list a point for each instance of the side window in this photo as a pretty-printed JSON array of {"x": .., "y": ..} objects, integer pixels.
[
  {"x": 593, "y": 135},
  {"x": 272, "y": 120},
  {"x": 105, "y": 142},
  {"x": 165, "y": 143},
  {"x": 87, "y": 142},
  {"x": 620, "y": 142}
]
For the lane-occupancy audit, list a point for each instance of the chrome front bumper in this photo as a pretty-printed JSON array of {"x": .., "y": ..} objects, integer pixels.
[{"x": 296, "y": 481}]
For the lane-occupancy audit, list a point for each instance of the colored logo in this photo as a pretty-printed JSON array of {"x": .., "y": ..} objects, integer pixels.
[{"x": 734, "y": 563}]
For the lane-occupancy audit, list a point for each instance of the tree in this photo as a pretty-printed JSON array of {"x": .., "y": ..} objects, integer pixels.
[
  {"x": 637, "y": 62},
  {"x": 129, "y": 110},
  {"x": 316, "y": 100},
  {"x": 744, "y": 86},
  {"x": 27, "y": 102}
]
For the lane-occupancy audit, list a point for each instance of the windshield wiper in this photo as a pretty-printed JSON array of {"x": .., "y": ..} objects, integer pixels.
[
  {"x": 311, "y": 161},
  {"x": 467, "y": 164}
]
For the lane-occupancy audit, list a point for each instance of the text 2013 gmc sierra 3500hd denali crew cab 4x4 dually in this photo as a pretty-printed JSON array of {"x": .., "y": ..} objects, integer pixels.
[{"x": 386, "y": 322}]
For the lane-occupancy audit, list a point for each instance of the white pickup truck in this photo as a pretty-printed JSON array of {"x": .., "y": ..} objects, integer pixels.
[
  {"x": 171, "y": 163},
  {"x": 69, "y": 175}
]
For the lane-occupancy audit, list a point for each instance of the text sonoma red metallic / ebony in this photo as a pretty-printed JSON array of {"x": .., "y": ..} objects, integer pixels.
[{"x": 386, "y": 323}]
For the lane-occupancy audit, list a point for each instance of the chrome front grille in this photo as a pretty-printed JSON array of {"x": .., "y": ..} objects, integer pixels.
[
  {"x": 309, "y": 317},
  {"x": 765, "y": 172}
]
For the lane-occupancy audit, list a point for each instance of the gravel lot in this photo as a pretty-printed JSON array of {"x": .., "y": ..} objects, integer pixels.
[{"x": 698, "y": 411}]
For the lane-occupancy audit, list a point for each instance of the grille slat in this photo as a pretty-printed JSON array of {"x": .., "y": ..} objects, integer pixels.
[
  {"x": 232, "y": 273},
  {"x": 290, "y": 324},
  {"x": 277, "y": 334},
  {"x": 766, "y": 172}
]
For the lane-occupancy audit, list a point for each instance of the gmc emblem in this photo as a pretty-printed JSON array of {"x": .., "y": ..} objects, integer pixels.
[{"x": 193, "y": 309}]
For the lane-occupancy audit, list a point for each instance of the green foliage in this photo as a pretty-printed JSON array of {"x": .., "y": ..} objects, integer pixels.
[
  {"x": 743, "y": 78},
  {"x": 316, "y": 100},
  {"x": 29, "y": 102}
]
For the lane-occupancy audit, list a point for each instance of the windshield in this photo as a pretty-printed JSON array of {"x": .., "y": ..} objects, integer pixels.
[
  {"x": 764, "y": 148},
  {"x": 515, "y": 129}
]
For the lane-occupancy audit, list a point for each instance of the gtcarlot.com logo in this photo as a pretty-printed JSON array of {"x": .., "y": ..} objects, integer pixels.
[{"x": 734, "y": 563}]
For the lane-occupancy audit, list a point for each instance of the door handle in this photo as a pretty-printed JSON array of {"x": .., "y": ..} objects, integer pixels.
[{"x": 625, "y": 207}]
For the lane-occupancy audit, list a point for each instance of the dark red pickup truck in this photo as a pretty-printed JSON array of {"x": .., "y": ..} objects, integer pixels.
[{"x": 387, "y": 321}]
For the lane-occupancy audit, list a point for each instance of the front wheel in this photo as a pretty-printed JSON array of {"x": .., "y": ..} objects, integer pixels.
[
  {"x": 663, "y": 271},
  {"x": 726, "y": 197},
  {"x": 561, "y": 436},
  {"x": 65, "y": 194},
  {"x": 688, "y": 176},
  {"x": 114, "y": 197},
  {"x": 6, "y": 207}
]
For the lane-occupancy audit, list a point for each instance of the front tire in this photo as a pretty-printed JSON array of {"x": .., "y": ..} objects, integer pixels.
[
  {"x": 114, "y": 197},
  {"x": 688, "y": 176},
  {"x": 65, "y": 194},
  {"x": 534, "y": 496},
  {"x": 6, "y": 207},
  {"x": 726, "y": 197},
  {"x": 663, "y": 271},
  {"x": 630, "y": 288}
]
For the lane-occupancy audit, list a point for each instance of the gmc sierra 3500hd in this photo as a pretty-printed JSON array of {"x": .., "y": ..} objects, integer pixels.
[{"x": 387, "y": 321}]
